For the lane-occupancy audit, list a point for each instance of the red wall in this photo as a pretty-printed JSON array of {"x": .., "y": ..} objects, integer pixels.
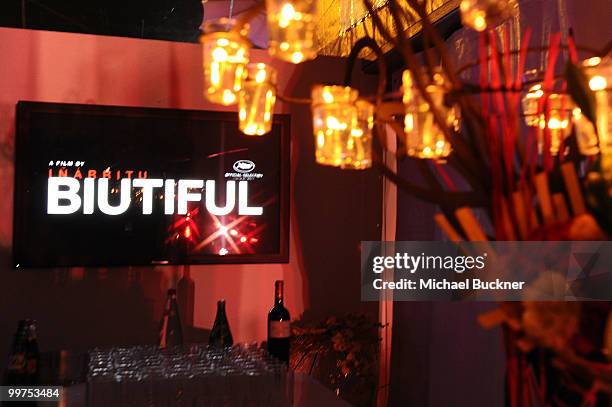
[{"x": 79, "y": 308}]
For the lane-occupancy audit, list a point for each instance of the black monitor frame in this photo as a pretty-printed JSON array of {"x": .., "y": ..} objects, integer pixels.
[{"x": 24, "y": 139}]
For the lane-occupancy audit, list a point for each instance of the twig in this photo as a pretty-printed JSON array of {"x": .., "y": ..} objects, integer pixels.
[{"x": 444, "y": 199}]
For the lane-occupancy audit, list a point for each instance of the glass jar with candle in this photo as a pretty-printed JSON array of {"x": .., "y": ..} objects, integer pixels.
[
  {"x": 424, "y": 138},
  {"x": 599, "y": 74},
  {"x": 480, "y": 14},
  {"x": 557, "y": 112},
  {"x": 256, "y": 100},
  {"x": 557, "y": 116},
  {"x": 531, "y": 99},
  {"x": 358, "y": 152},
  {"x": 586, "y": 136},
  {"x": 225, "y": 54},
  {"x": 334, "y": 121},
  {"x": 291, "y": 29}
]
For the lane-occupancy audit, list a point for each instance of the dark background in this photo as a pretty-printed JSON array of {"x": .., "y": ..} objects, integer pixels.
[{"x": 173, "y": 20}]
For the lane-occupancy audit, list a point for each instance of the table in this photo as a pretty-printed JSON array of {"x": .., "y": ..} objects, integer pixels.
[{"x": 193, "y": 376}]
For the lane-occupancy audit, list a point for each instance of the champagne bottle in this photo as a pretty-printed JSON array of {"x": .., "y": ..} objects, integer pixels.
[
  {"x": 279, "y": 328},
  {"x": 221, "y": 336},
  {"x": 170, "y": 332}
]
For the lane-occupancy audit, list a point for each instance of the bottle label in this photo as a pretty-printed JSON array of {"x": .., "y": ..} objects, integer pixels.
[{"x": 280, "y": 329}]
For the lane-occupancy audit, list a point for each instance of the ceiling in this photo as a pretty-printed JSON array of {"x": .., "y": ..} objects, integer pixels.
[
  {"x": 181, "y": 20},
  {"x": 175, "y": 20}
]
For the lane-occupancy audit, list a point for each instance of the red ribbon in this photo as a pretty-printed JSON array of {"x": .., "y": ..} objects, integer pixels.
[{"x": 549, "y": 78}]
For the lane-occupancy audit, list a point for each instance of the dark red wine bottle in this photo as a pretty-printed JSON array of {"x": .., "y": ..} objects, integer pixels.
[{"x": 279, "y": 328}]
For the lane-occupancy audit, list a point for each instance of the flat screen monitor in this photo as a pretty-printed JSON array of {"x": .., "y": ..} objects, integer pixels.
[{"x": 116, "y": 186}]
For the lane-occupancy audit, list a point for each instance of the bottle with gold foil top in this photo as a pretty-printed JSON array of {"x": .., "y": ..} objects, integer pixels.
[{"x": 170, "y": 331}]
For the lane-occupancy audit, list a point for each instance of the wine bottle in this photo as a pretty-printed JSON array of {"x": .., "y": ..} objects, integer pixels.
[
  {"x": 170, "y": 332},
  {"x": 279, "y": 328},
  {"x": 221, "y": 335},
  {"x": 16, "y": 369},
  {"x": 185, "y": 289},
  {"x": 31, "y": 354}
]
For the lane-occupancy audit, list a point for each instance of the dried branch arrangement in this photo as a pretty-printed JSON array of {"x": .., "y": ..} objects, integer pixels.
[
  {"x": 517, "y": 143},
  {"x": 531, "y": 150}
]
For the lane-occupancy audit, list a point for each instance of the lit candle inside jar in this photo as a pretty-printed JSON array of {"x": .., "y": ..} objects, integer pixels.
[
  {"x": 557, "y": 115},
  {"x": 342, "y": 127},
  {"x": 291, "y": 29},
  {"x": 599, "y": 74},
  {"x": 424, "y": 138},
  {"x": 586, "y": 136},
  {"x": 358, "y": 153},
  {"x": 554, "y": 111},
  {"x": 257, "y": 99},
  {"x": 530, "y": 101},
  {"x": 225, "y": 55},
  {"x": 480, "y": 14}
]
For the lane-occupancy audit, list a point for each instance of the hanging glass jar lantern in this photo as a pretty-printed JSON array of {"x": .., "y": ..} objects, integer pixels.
[
  {"x": 586, "y": 136},
  {"x": 424, "y": 138},
  {"x": 480, "y": 14},
  {"x": 558, "y": 113},
  {"x": 359, "y": 145},
  {"x": 559, "y": 108},
  {"x": 291, "y": 29},
  {"x": 531, "y": 99},
  {"x": 256, "y": 100},
  {"x": 225, "y": 53},
  {"x": 599, "y": 73},
  {"x": 342, "y": 127}
]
